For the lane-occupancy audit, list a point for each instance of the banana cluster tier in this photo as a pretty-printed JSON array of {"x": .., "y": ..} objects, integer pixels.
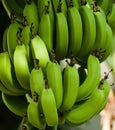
[{"x": 43, "y": 34}]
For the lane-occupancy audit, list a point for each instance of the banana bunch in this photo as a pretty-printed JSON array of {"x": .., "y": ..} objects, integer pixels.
[{"x": 42, "y": 33}]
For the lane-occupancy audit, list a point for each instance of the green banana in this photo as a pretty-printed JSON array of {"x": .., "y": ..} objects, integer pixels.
[
  {"x": 26, "y": 33},
  {"x": 49, "y": 106},
  {"x": 110, "y": 16},
  {"x": 92, "y": 80},
  {"x": 11, "y": 5},
  {"x": 85, "y": 111},
  {"x": 46, "y": 24},
  {"x": 89, "y": 32},
  {"x": 54, "y": 77},
  {"x": 31, "y": 13},
  {"x": 106, "y": 5},
  {"x": 7, "y": 75},
  {"x": 17, "y": 9},
  {"x": 13, "y": 29},
  {"x": 71, "y": 87},
  {"x": 42, "y": 55},
  {"x": 5, "y": 47},
  {"x": 16, "y": 104},
  {"x": 106, "y": 88},
  {"x": 34, "y": 116},
  {"x": 5, "y": 90},
  {"x": 101, "y": 31},
  {"x": 108, "y": 44},
  {"x": 61, "y": 36},
  {"x": 41, "y": 5},
  {"x": 21, "y": 66},
  {"x": 75, "y": 29},
  {"x": 37, "y": 83},
  {"x": 26, "y": 38},
  {"x": 56, "y": 4}
]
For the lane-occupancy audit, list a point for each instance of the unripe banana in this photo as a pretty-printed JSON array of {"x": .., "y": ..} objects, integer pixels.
[
  {"x": 106, "y": 5},
  {"x": 41, "y": 5},
  {"x": 37, "y": 83},
  {"x": 16, "y": 105},
  {"x": 49, "y": 107},
  {"x": 108, "y": 47},
  {"x": 62, "y": 38},
  {"x": 75, "y": 29},
  {"x": 111, "y": 16},
  {"x": 11, "y": 5},
  {"x": 54, "y": 77},
  {"x": 34, "y": 116},
  {"x": 100, "y": 29},
  {"x": 45, "y": 28},
  {"x": 21, "y": 66},
  {"x": 106, "y": 88},
  {"x": 26, "y": 38},
  {"x": 13, "y": 29},
  {"x": 92, "y": 80},
  {"x": 5, "y": 90},
  {"x": 89, "y": 32},
  {"x": 31, "y": 13},
  {"x": 71, "y": 87},
  {"x": 85, "y": 111},
  {"x": 42, "y": 55},
  {"x": 7, "y": 75}
]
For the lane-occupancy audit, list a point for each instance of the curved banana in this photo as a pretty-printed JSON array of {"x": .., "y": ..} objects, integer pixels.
[
  {"x": 26, "y": 38},
  {"x": 45, "y": 28},
  {"x": 49, "y": 107},
  {"x": 86, "y": 110},
  {"x": 21, "y": 66},
  {"x": 41, "y": 5},
  {"x": 89, "y": 32},
  {"x": 11, "y": 5},
  {"x": 106, "y": 88},
  {"x": 37, "y": 83},
  {"x": 6, "y": 91},
  {"x": 108, "y": 47},
  {"x": 15, "y": 6},
  {"x": 7, "y": 75},
  {"x": 16, "y": 104},
  {"x": 70, "y": 86},
  {"x": 54, "y": 77},
  {"x": 106, "y": 5},
  {"x": 100, "y": 31},
  {"x": 34, "y": 115},
  {"x": 31, "y": 13},
  {"x": 111, "y": 15},
  {"x": 5, "y": 47},
  {"x": 75, "y": 29},
  {"x": 13, "y": 29},
  {"x": 39, "y": 51},
  {"x": 61, "y": 36},
  {"x": 92, "y": 80},
  {"x": 56, "y": 4}
]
